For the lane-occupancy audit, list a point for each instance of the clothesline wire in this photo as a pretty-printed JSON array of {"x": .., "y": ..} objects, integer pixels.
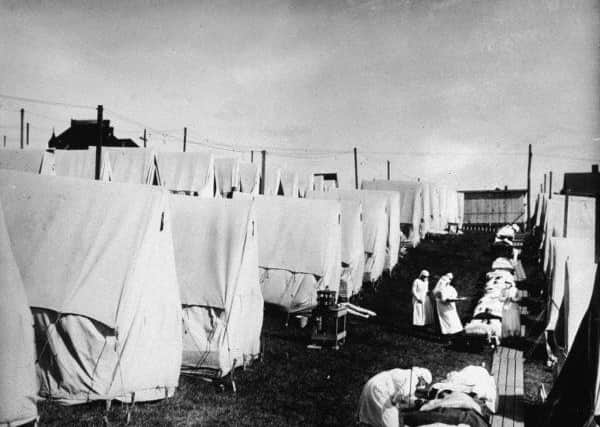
[
  {"x": 279, "y": 151},
  {"x": 45, "y": 102}
]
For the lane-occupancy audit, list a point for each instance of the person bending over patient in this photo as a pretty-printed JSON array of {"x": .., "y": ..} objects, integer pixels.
[{"x": 380, "y": 396}]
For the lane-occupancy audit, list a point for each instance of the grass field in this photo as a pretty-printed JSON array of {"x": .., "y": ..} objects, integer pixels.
[{"x": 293, "y": 385}]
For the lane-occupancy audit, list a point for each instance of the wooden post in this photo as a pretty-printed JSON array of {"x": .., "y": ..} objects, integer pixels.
[
  {"x": 544, "y": 183},
  {"x": 184, "y": 138},
  {"x": 388, "y": 170},
  {"x": 550, "y": 185},
  {"x": 566, "y": 213},
  {"x": 597, "y": 228},
  {"x": 263, "y": 171},
  {"x": 355, "y": 169},
  {"x": 530, "y": 154},
  {"x": 144, "y": 138},
  {"x": 99, "y": 142},
  {"x": 22, "y": 118}
]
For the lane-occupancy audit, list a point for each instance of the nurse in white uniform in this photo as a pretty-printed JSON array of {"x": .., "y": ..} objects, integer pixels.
[
  {"x": 445, "y": 294},
  {"x": 422, "y": 308}
]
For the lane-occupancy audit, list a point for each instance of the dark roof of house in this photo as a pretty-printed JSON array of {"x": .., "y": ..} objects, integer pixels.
[
  {"x": 583, "y": 184},
  {"x": 84, "y": 133}
]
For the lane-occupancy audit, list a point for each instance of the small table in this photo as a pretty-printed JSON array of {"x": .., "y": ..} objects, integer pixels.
[{"x": 329, "y": 327}]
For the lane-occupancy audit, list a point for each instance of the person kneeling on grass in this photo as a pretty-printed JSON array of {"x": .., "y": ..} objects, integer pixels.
[
  {"x": 383, "y": 393},
  {"x": 445, "y": 296}
]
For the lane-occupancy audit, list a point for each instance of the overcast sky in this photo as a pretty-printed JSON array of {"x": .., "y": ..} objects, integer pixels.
[{"x": 458, "y": 87}]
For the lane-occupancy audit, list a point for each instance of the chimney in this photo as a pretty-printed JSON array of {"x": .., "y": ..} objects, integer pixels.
[{"x": 594, "y": 168}]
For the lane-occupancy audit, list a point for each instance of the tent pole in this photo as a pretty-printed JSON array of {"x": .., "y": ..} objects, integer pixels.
[
  {"x": 98, "y": 142},
  {"x": 22, "y": 118},
  {"x": 355, "y": 169},
  {"x": 597, "y": 228},
  {"x": 530, "y": 154},
  {"x": 263, "y": 171},
  {"x": 184, "y": 138}
]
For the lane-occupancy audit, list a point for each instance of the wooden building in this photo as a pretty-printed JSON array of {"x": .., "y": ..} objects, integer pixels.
[
  {"x": 84, "y": 133},
  {"x": 487, "y": 210},
  {"x": 582, "y": 184}
]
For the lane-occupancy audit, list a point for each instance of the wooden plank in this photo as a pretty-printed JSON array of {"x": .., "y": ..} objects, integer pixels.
[
  {"x": 509, "y": 412},
  {"x": 501, "y": 385},
  {"x": 519, "y": 391}
]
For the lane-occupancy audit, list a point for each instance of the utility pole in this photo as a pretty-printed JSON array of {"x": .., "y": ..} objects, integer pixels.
[
  {"x": 184, "y": 138},
  {"x": 144, "y": 138},
  {"x": 388, "y": 170},
  {"x": 566, "y": 213},
  {"x": 263, "y": 171},
  {"x": 27, "y": 134},
  {"x": 355, "y": 169},
  {"x": 22, "y": 118},
  {"x": 530, "y": 155},
  {"x": 99, "y": 142}
]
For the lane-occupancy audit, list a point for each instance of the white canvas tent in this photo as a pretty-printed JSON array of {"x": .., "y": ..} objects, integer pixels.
[
  {"x": 289, "y": 183},
  {"x": 410, "y": 202},
  {"x": 18, "y": 380},
  {"x": 190, "y": 172},
  {"x": 77, "y": 164},
  {"x": 216, "y": 255},
  {"x": 227, "y": 175},
  {"x": 249, "y": 178},
  {"x": 353, "y": 248},
  {"x": 580, "y": 221},
  {"x": 97, "y": 264},
  {"x": 22, "y": 160},
  {"x": 575, "y": 396},
  {"x": 131, "y": 165},
  {"x": 375, "y": 226},
  {"x": 580, "y": 252},
  {"x": 272, "y": 181},
  {"x": 299, "y": 249}
]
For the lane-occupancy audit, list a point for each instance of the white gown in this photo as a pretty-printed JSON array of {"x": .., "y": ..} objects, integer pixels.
[
  {"x": 375, "y": 406},
  {"x": 449, "y": 321},
  {"x": 422, "y": 309}
]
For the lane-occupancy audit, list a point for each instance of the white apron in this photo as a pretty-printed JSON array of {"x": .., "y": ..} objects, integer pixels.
[{"x": 449, "y": 321}]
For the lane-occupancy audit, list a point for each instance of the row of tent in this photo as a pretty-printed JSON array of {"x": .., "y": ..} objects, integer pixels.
[
  {"x": 568, "y": 259},
  {"x": 111, "y": 271}
]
